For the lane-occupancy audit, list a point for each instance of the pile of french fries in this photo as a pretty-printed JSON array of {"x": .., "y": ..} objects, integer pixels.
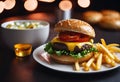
[{"x": 105, "y": 56}]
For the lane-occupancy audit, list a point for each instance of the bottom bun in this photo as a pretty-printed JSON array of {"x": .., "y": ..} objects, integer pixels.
[{"x": 69, "y": 59}]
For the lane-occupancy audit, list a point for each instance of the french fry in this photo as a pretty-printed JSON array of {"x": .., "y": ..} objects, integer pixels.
[
  {"x": 107, "y": 59},
  {"x": 111, "y": 50},
  {"x": 98, "y": 47},
  {"x": 106, "y": 50},
  {"x": 77, "y": 67},
  {"x": 96, "y": 54},
  {"x": 88, "y": 64},
  {"x": 116, "y": 58},
  {"x": 86, "y": 68},
  {"x": 103, "y": 42},
  {"x": 99, "y": 61},
  {"x": 112, "y": 45},
  {"x": 83, "y": 64},
  {"x": 103, "y": 59},
  {"x": 114, "y": 49},
  {"x": 113, "y": 63},
  {"x": 93, "y": 66}
]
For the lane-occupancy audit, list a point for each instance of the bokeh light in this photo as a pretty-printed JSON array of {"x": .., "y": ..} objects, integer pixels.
[
  {"x": 30, "y": 5},
  {"x": 9, "y": 4},
  {"x": 84, "y": 3},
  {"x": 47, "y": 1},
  {"x": 1, "y": 6},
  {"x": 65, "y": 5}
]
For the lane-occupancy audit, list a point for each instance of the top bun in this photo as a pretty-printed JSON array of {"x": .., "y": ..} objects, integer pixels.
[{"x": 75, "y": 25}]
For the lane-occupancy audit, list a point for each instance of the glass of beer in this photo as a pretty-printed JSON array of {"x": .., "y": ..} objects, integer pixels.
[{"x": 22, "y": 50}]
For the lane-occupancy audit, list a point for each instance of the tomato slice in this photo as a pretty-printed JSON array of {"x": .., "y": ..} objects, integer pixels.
[{"x": 73, "y": 37}]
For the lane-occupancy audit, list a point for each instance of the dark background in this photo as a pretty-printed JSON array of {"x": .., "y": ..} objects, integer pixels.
[{"x": 48, "y": 7}]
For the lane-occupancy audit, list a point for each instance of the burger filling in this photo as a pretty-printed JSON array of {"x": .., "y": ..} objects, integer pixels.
[
  {"x": 74, "y": 49},
  {"x": 70, "y": 43}
]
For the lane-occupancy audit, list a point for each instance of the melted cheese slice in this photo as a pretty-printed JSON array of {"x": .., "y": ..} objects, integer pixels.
[{"x": 70, "y": 45}]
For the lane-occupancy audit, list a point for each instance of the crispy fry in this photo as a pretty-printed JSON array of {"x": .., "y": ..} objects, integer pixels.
[
  {"x": 113, "y": 63},
  {"x": 86, "y": 68},
  {"x": 111, "y": 50},
  {"x": 99, "y": 61},
  {"x": 83, "y": 64},
  {"x": 114, "y": 49},
  {"x": 107, "y": 59},
  {"x": 98, "y": 47},
  {"x": 103, "y": 61},
  {"x": 116, "y": 58},
  {"x": 77, "y": 67},
  {"x": 88, "y": 64},
  {"x": 106, "y": 51},
  {"x": 96, "y": 54},
  {"x": 112, "y": 45},
  {"x": 93, "y": 66},
  {"x": 103, "y": 42}
]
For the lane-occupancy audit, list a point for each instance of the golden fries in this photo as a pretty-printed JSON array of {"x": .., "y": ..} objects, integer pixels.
[
  {"x": 114, "y": 49},
  {"x": 105, "y": 56},
  {"x": 113, "y": 45},
  {"x": 93, "y": 66},
  {"x": 106, "y": 51},
  {"x": 103, "y": 42},
  {"x": 107, "y": 59},
  {"x": 99, "y": 62},
  {"x": 77, "y": 67},
  {"x": 96, "y": 54},
  {"x": 88, "y": 64},
  {"x": 113, "y": 63},
  {"x": 116, "y": 58}
]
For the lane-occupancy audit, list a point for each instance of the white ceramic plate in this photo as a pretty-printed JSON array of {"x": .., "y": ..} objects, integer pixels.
[{"x": 66, "y": 68}]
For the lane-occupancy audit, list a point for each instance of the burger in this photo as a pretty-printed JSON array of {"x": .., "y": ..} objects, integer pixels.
[
  {"x": 110, "y": 13},
  {"x": 74, "y": 42},
  {"x": 92, "y": 17}
]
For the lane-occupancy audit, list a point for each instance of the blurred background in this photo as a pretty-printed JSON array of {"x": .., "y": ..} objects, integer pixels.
[{"x": 51, "y": 10}]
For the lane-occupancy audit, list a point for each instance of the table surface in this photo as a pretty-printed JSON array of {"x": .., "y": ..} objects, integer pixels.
[{"x": 14, "y": 69}]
